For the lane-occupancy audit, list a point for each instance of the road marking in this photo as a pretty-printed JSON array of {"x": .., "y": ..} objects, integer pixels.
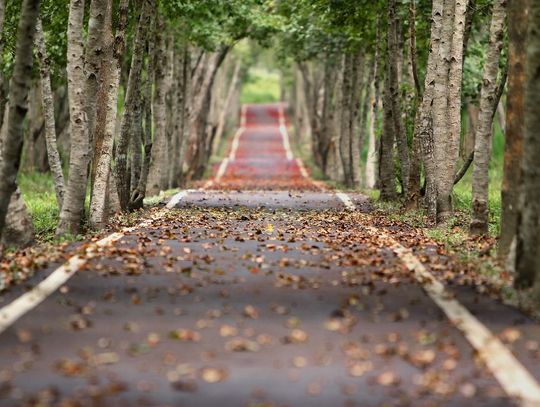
[
  {"x": 513, "y": 377},
  {"x": 284, "y": 133},
  {"x": 10, "y": 313}
]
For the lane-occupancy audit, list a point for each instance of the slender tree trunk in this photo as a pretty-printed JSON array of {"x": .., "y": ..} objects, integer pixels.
[
  {"x": 17, "y": 106},
  {"x": 345, "y": 118},
  {"x": 423, "y": 128},
  {"x": 226, "y": 106},
  {"x": 413, "y": 197},
  {"x": 158, "y": 165},
  {"x": 199, "y": 113},
  {"x": 138, "y": 195},
  {"x": 513, "y": 148},
  {"x": 447, "y": 104},
  {"x": 528, "y": 238},
  {"x": 73, "y": 207},
  {"x": 393, "y": 72},
  {"x": 357, "y": 122},
  {"x": 132, "y": 99},
  {"x": 386, "y": 163},
  {"x": 372, "y": 157},
  {"x": 93, "y": 61},
  {"x": 482, "y": 148},
  {"x": 47, "y": 102},
  {"x": 104, "y": 188}
]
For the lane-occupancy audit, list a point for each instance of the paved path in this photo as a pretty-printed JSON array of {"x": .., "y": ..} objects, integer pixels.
[{"x": 268, "y": 293}]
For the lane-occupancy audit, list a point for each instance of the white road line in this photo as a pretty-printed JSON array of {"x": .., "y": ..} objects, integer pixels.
[
  {"x": 234, "y": 148},
  {"x": 10, "y": 313},
  {"x": 284, "y": 134},
  {"x": 302, "y": 167},
  {"x": 513, "y": 377}
]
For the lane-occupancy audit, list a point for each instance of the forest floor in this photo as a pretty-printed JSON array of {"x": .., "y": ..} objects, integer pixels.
[{"x": 263, "y": 287}]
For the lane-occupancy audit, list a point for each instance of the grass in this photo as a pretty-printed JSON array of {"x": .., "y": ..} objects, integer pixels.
[
  {"x": 38, "y": 193},
  {"x": 261, "y": 86}
]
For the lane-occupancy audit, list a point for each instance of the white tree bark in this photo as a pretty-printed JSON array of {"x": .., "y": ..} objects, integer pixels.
[
  {"x": 73, "y": 207},
  {"x": 482, "y": 147},
  {"x": 47, "y": 102},
  {"x": 17, "y": 106}
]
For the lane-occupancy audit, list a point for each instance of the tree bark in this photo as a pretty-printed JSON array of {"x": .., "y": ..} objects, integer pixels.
[
  {"x": 513, "y": 147},
  {"x": 528, "y": 238},
  {"x": 17, "y": 106},
  {"x": 158, "y": 163},
  {"x": 423, "y": 128},
  {"x": 346, "y": 111},
  {"x": 47, "y": 102},
  {"x": 447, "y": 105},
  {"x": 93, "y": 60},
  {"x": 413, "y": 196},
  {"x": 372, "y": 156},
  {"x": 488, "y": 104},
  {"x": 132, "y": 99},
  {"x": 102, "y": 191},
  {"x": 73, "y": 207},
  {"x": 227, "y": 104},
  {"x": 393, "y": 72},
  {"x": 138, "y": 195},
  {"x": 386, "y": 153}
]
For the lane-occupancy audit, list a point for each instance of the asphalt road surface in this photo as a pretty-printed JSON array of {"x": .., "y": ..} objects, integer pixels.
[{"x": 263, "y": 289}]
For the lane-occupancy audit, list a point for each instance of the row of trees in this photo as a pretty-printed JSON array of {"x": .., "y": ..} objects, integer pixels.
[
  {"x": 128, "y": 96},
  {"x": 395, "y": 78}
]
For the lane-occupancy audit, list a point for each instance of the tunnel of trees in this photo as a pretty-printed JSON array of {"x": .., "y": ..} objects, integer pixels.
[{"x": 427, "y": 102}]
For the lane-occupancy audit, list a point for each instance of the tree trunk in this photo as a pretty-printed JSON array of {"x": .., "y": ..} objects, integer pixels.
[
  {"x": 447, "y": 104},
  {"x": 17, "y": 106},
  {"x": 488, "y": 101},
  {"x": 413, "y": 197},
  {"x": 103, "y": 194},
  {"x": 93, "y": 61},
  {"x": 393, "y": 73},
  {"x": 528, "y": 239},
  {"x": 346, "y": 110},
  {"x": 513, "y": 148},
  {"x": 386, "y": 154},
  {"x": 423, "y": 128},
  {"x": 372, "y": 156},
  {"x": 198, "y": 116},
  {"x": 132, "y": 99},
  {"x": 357, "y": 125},
  {"x": 227, "y": 104},
  {"x": 158, "y": 163},
  {"x": 47, "y": 102},
  {"x": 73, "y": 207},
  {"x": 137, "y": 197}
]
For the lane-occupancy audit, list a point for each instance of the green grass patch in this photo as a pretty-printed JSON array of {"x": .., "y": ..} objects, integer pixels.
[
  {"x": 38, "y": 193},
  {"x": 261, "y": 86}
]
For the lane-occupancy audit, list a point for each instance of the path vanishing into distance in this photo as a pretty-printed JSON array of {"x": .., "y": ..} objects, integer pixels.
[{"x": 264, "y": 288}]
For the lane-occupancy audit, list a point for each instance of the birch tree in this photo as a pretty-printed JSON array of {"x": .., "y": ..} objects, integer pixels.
[
  {"x": 72, "y": 211},
  {"x": 107, "y": 113},
  {"x": 17, "y": 106},
  {"x": 47, "y": 102},
  {"x": 488, "y": 102}
]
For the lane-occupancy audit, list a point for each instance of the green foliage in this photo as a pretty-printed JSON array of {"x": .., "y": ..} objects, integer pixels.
[{"x": 261, "y": 86}]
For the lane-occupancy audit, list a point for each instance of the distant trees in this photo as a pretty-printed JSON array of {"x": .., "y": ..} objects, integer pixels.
[{"x": 163, "y": 133}]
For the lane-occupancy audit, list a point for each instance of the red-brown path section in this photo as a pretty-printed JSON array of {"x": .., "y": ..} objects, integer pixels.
[
  {"x": 253, "y": 298},
  {"x": 260, "y": 157}
]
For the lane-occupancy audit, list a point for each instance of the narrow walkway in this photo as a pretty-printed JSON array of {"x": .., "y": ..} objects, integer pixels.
[{"x": 262, "y": 290}]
